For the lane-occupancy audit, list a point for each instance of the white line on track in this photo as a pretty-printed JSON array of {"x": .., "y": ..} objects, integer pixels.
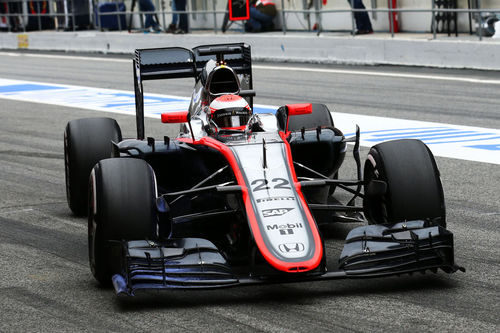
[
  {"x": 284, "y": 68},
  {"x": 380, "y": 74},
  {"x": 446, "y": 140},
  {"x": 17, "y": 211},
  {"x": 67, "y": 57}
]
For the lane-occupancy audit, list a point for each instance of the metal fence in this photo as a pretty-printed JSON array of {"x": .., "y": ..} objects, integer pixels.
[{"x": 23, "y": 15}]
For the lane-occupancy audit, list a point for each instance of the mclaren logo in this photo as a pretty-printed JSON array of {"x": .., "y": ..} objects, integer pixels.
[
  {"x": 275, "y": 212},
  {"x": 291, "y": 247}
]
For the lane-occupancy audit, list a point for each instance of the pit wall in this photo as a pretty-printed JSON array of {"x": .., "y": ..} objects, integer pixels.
[{"x": 276, "y": 47}]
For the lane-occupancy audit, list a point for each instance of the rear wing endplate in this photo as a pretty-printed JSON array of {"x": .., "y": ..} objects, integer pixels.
[{"x": 178, "y": 62}]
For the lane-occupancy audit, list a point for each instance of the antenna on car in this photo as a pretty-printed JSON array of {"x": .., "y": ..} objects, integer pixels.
[{"x": 264, "y": 156}]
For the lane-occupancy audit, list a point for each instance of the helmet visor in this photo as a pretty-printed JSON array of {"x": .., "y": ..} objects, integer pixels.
[{"x": 231, "y": 117}]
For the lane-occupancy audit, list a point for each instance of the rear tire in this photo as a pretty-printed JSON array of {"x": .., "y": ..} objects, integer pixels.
[
  {"x": 122, "y": 206},
  {"x": 86, "y": 142},
  {"x": 414, "y": 189}
]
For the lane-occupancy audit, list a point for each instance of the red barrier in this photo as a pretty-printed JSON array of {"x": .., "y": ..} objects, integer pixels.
[
  {"x": 239, "y": 10},
  {"x": 393, "y": 16}
]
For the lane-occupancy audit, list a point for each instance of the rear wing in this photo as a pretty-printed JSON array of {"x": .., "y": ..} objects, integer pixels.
[
  {"x": 178, "y": 62},
  {"x": 237, "y": 56}
]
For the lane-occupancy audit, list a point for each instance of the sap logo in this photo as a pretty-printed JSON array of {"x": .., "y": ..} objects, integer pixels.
[
  {"x": 275, "y": 199},
  {"x": 275, "y": 212},
  {"x": 291, "y": 247}
]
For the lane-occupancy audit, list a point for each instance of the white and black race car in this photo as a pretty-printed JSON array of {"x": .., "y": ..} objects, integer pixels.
[{"x": 236, "y": 198}]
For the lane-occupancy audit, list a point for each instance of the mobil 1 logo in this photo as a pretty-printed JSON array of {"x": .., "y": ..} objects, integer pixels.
[{"x": 286, "y": 228}]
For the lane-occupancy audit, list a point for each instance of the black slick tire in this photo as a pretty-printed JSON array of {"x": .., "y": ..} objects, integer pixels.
[
  {"x": 122, "y": 207},
  {"x": 86, "y": 142},
  {"x": 414, "y": 190}
]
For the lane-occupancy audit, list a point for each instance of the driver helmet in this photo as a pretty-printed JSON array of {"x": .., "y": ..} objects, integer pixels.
[{"x": 230, "y": 112}]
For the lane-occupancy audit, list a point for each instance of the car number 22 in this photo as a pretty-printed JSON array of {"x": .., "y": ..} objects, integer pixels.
[{"x": 262, "y": 184}]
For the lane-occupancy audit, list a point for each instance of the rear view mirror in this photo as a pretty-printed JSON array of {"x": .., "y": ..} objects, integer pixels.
[
  {"x": 175, "y": 117},
  {"x": 298, "y": 109}
]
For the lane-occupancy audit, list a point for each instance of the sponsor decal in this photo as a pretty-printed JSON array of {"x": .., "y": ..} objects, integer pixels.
[
  {"x": 291, "y": 247},
  {"x": 275, "y": 212},
  {"x": 284, "y": 226},
  {"x": 138, "y": 76},
  {"x": 275, "y": 199},
  {"x": 234, "y": 137},
  {"x": 23, "y": 41},
  {"x": 285, "y": 229}
]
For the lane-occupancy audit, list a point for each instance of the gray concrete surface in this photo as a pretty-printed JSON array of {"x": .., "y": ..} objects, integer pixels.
[
  {"x": 329, "y": 48},
  {"x": 46, "y": 284}
]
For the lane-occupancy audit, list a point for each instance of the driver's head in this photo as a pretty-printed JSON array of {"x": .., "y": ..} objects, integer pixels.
[{"x": 230, "y": 112}]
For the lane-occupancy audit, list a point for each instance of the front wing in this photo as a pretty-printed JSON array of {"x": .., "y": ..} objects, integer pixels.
[{"x": 370, "y": 251}]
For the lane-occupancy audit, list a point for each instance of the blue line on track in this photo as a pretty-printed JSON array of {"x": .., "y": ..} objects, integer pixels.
[
  {"x": 25, "y": 87},
  {"x": 396, "y": 129},
  {"x": 486, "y": 147},
  {"x": 429, "y": 132},
  {"x": 462, "y": 134},
  {"x": 469, "y": 140}
]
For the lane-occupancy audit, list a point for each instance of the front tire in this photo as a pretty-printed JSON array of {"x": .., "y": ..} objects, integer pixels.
[
  {"x": 86, "y": 142},
  {"x": 122, "y": 206},
  {"x": 414, "y": 189}
]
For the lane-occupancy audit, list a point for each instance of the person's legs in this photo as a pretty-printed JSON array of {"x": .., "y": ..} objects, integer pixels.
[
  {"x": 175, "y": 16},
  {"x": 253, "y": 25},
  {"x": 362, "y": 19},
  {"x": 149, "y": 21},
  {"x": 15, "y": 8},
  {"x": 259, "y": 20},
  {"x": 180, "y": 5},
  {"x": 147, "y": 6}
]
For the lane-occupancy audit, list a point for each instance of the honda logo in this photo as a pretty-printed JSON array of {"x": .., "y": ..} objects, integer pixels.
[{"x": 291, "y": 247}]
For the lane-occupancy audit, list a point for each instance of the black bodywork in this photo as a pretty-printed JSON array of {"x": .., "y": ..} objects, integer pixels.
[{"x": 204, "y": 238}]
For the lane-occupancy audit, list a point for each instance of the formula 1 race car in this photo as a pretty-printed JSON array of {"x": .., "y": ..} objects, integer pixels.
[{"x": 237, "y": 197}]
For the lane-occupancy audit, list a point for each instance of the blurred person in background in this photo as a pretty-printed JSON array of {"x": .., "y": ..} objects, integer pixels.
[
  {"x": 14, "y": 21},
  {"x": 363, "y": 24},
  {"x": 151, "y": 23},
  {"x": 175, "y": 18},
  {"x": 180, "y": 5},
  {"x": 262, "y": 13}
]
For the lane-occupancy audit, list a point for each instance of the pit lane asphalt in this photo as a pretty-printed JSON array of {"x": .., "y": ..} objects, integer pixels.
[{"x": 45, "y": 282}]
